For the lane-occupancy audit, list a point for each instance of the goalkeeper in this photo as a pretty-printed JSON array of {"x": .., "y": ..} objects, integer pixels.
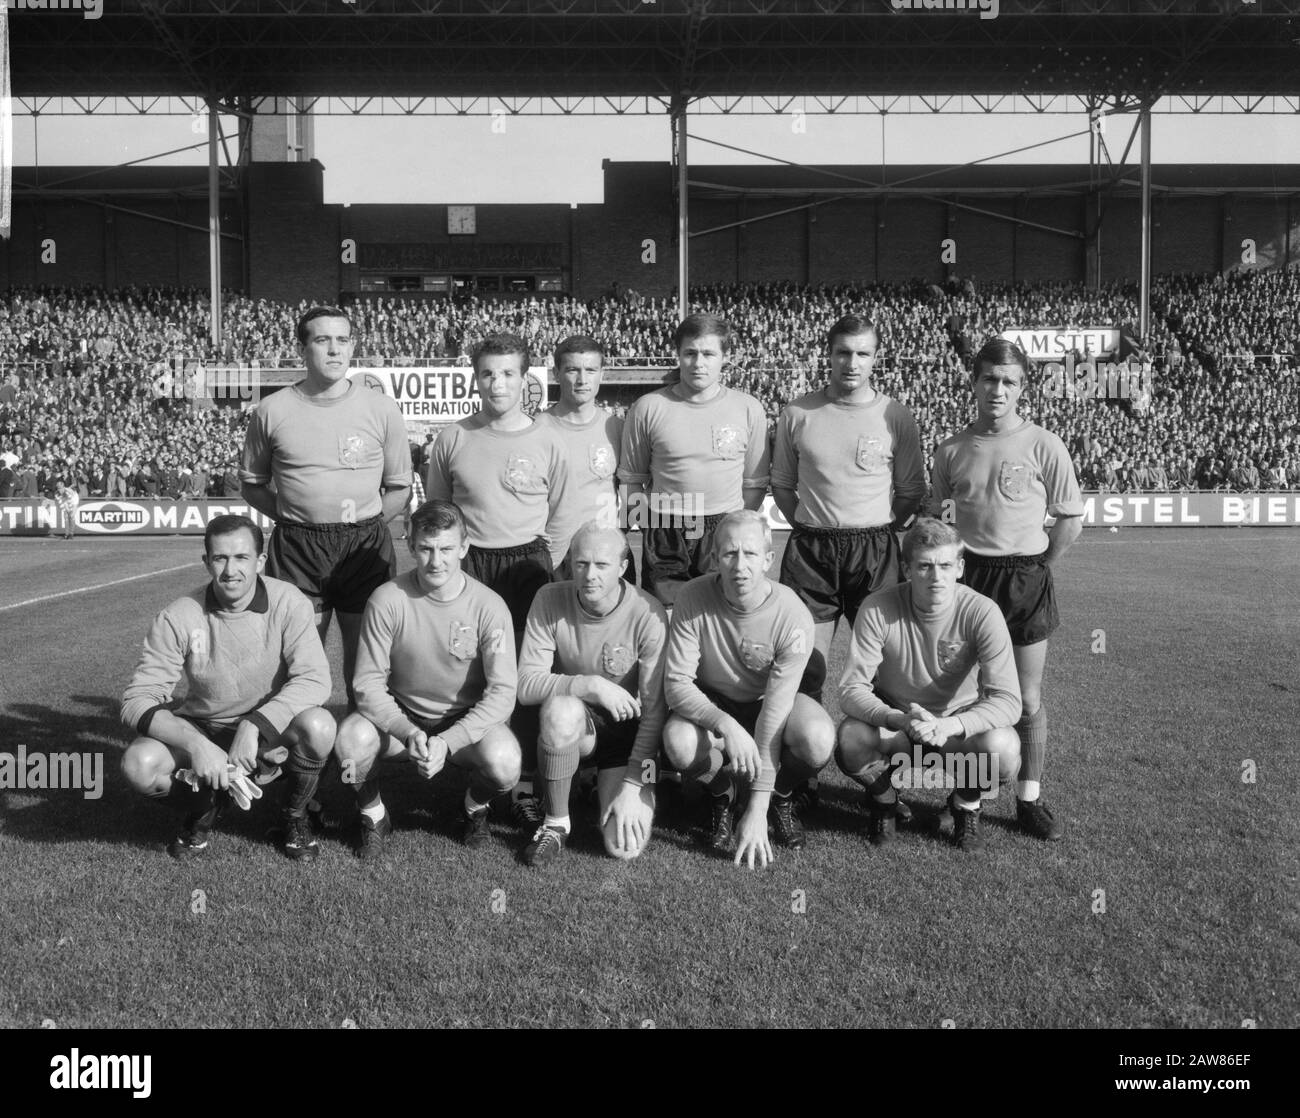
[{"x": 256, "y": 677}]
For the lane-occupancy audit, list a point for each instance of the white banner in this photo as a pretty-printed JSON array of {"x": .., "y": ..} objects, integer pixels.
[
  {"x": 1053, "y": 343},
  {"x": 433, "y": 397}
]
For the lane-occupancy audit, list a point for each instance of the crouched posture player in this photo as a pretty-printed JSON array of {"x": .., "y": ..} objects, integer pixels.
[
  {"x": 435, "y": 681},
  {"x": 255, "y": 674},
  {"x": 737, "y": 649},
  {"x": 593, "y": 658},
  {"x": 930, "y": 671}
]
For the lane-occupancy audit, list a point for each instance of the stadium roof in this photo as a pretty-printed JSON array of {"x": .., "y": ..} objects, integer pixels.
[{"x": 232, "y": 49}]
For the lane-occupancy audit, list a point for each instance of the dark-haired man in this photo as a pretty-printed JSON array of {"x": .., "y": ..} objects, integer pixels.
[
  {"x": 435, "y": 680},
  {"x": 328, "y": 461},
  {"x": 256, "y": 679},
  {"x": 692, "y": 452},
  {"x": 997, "y": 481}
]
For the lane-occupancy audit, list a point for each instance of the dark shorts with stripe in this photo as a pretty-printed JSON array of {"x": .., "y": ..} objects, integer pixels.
[
  {"x": 675, "y": 553},
  {"x": 223, "y": 737},
  {"x": 833, "y": 570},
  {"x": 564, "y": 572},
  {"x": 1022, "y": 587},
  {"x": 614, "y": 740},
  {"x": 516, "y": 573},
  {"x": 338, "y": 566}
]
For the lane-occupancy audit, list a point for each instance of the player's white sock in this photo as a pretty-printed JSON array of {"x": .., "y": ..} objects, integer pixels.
[
  {"x": 1027, "y": 790},
  {"x": 966, "y": 805},
  {"x": 523, "y": 788},
  {"x": 472, "y": 806},
  {"x": 375, "y": 812},
  {"x": 557, "y": 823}
]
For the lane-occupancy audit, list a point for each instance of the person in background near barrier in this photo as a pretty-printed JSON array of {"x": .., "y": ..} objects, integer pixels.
[
  {"x": 693, "y": 451},
  {"x": 593, "y": 438},
  {"x": 737, "y": 649},
  {"x": 998, "y": 481},
  {"x": 592, "y": 659},
  {"x": 327, "y": 460},
  {"x": 67, "y": 499},
  {"x": 256, "y": 678},
  {"x": 507, "y": 475},
  {"x": 435, "y": 681},
  {"x": 930, "y": 671}
]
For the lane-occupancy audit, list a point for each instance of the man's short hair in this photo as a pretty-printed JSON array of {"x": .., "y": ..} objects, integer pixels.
[
  {"x": 597, "y": 527},
  {"x": 1001, "y": 351},
  {"x": 578, "y": 343},
  {"x": 495, "y": 345},
  {"x": 926, "y": 534},
  {"x": 695, "y": 326},
  {"x": 436, "y": 516},
  {"x": 850, "y": 326},
  {"x": 228, "y": 525},
  {"x": 740, "y": 518},
  {"x": 312, "y": 313}
]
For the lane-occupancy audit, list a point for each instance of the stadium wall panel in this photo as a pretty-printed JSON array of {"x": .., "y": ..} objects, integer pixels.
[
  {"x": 910, "y": 232},
  {"x": 1040, "y": 255},
  {"x": 609, "y": 238},
  {"x": 1184, "y": 234},
  {"x": 842, "y": 242},
  {"x": 985, "y": 245},
  {"x": 714, "y": 257},
  {"x": 294, "y": 239}
]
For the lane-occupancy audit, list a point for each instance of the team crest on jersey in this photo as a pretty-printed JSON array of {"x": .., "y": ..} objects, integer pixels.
[
  {"x": 464, "y": 641},
  {"x": 523, "y": 475},
  {"x": 871, "y": 457},
  {"x": 1013, "y": 480},
  {"x": 755, "y": 656},
  {"x": 952, "y": 654},
  {"x": 601, "y": 461},
  {"x": 352, "y": 450},
  {"x": 199, "y": 644},
  {"x": 616, "y": 660},
  {"x": 728, "y": 441}
]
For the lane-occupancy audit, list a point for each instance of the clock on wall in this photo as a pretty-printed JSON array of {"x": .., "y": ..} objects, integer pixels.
[{"x": 462, "y": 219}]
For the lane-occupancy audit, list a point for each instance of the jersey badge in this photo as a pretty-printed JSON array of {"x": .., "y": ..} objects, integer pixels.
[
  {"x": 952, "y": 655},
  {"x": 616, "y": 660},
  {"x": 871, "y": 457},
  {"x": 728, "y": 441},
  {"x": 352, "y": 449},
  {"x": 522, "y": 475},
  {"x": 464, "y": 641},
  {"x": 1013, "y": 480},
  {"x": 755, "y": 656},
  {"x": 601, "y": 460}
]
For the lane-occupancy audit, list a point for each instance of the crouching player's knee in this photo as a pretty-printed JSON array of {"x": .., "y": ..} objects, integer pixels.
[
  {"x": 686, "y": 746},
  {"x": 500, "y": 759},
  {"x": 810, "y": 736},
  {"x": 562, "y": 726},
  {"x": 856, "y": 746},
  {"x": 147, "y": 766},
  {"x": 314, "y": 732},
  {"x": 1003, "y": 745},
  {"x": 356, "y": 745}
]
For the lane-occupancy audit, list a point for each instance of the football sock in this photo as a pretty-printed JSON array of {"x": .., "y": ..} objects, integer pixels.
[
  {"x": 472, "y": 806},
  {"x": 303, "y": 777},
  {"x": 557, "y": 766},
  {"x": 722, "y": 783},
  {"x": 792, "y": 772},
  {"x": 1032, "y": 729},
  {"x": 1028, "y": 790},
  {"x": 875, "y": 780},
  {"x": 374, "y": 811},
  {"x": 965, "y": 805},
  {"x": 557, "y": 822}
]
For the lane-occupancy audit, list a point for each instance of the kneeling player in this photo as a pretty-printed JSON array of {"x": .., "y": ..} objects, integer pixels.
[
  {"x": 592, "y": 657},
  {"x": 930, "y": 671},
  {"x": 737, "y": 649},
  {"x": 435, "y": 680},
  {"x": 255, "y": 675}
]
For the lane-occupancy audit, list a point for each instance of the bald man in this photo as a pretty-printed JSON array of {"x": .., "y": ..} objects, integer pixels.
[{"x": 592, "y": 658}]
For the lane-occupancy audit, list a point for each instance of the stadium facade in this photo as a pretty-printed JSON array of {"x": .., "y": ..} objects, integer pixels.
[{"x": 122, "y": 226}]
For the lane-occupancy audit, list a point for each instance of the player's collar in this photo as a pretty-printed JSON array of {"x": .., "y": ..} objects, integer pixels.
[{"x": 259, "y": 603}]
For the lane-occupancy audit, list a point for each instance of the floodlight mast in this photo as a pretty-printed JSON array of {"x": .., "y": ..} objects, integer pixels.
[
  {"x": 679, "y": 125},
  {"x": 214, "y": 228}
]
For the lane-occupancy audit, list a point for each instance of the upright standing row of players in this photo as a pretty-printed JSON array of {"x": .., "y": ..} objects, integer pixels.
[{"x": 479, "y": 657}]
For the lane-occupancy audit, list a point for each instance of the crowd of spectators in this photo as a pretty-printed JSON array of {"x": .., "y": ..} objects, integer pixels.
[{"x": 1219, "y": 406}]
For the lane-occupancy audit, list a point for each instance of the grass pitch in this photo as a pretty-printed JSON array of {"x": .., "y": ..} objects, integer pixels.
[{"x": 1172, "y": 703}]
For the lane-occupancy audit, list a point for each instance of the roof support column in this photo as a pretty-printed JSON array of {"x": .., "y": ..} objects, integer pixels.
[
  {"x": 679, "y": 123},
  {"x": 1144, "y": 296},
  {"x": 214, "y": 227}
]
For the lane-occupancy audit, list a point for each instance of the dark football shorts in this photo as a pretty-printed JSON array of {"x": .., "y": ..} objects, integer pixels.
[
  {"x": 516, "y": 573},
  {"x": 746, "y": 713},
  {"x": 614, "y": 740},
  {"x": 1022, "y": 587},
  {"x": 670, "y": 558},
  {"x": 338, "y": 566},
  {"x": 564, "y": 572},
  {"x": 833, "y": 570},
  {"x": 433, "y": 729}
]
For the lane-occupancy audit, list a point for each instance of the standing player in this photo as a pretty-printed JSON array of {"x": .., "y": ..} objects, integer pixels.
[
  {"x": 256, "y": 676},
  {"x": 435, "y": 681},
  {"x": 930, "y": 671},
  {"x": 507, "y": 475},
  {"x": 593, "y": 438},
  {"x": 997, "y": 481},
  {"x": 592, "y": 658},
  {"x": 692, "y": 452},
  {"x": 846, "y": 469},
  {"x": 737, "y": 649},
  {"x": 328, "y": 461}
]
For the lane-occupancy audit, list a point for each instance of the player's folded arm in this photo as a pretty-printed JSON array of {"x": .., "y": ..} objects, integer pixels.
[
  {"x": 497, "y": 647},
  {"x": 308, "y": 683},
  {"x": 161, "y": 666}
]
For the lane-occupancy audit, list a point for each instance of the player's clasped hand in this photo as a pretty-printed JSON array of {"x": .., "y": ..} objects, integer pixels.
[
  {"x": 621, "y": 704},
  {"x": 752, "y": 841},
  {"x": 243, "y": 750},
  {"x": 429, "y": 753},
  {"x": 210, "y": 764}
]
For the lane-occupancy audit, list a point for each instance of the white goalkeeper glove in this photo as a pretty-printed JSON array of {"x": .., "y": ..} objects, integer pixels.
[{"x": 242, "y": 789}]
